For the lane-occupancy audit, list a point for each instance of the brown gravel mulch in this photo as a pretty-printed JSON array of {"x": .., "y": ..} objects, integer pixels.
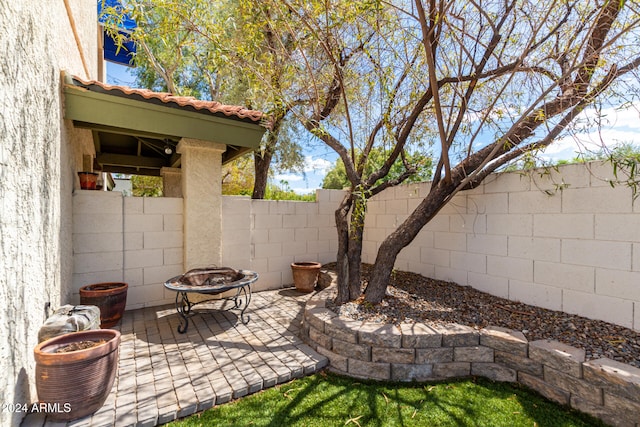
[{"x": 413, "y": 298}]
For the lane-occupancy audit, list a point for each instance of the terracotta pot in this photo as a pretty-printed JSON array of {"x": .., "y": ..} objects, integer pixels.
[
  {"x": 110, "y": 297},
  {"x": 305, "y": 275},
  {"x": 75, "y": 384},
  {"x": 88, "y": 180}
]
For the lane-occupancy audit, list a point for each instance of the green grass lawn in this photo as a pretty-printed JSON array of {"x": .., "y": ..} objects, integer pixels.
[{"x": 328, "y": 400}]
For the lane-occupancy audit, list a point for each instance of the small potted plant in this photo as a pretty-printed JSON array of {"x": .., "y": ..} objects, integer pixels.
[
  {"x": 88, "y": 180},
  {"x": 305, "y": 275}
]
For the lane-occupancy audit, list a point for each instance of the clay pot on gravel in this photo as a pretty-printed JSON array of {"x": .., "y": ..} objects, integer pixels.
[
  {"x": 75, "y": 372},
  {"x": 110, "y": 297},
  {"x": 305, "y": 275}
]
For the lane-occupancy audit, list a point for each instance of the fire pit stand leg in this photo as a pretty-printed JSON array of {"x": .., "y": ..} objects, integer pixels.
[
  {"x": 241, "y": 301},
  {"x": 183, "y": 307}
]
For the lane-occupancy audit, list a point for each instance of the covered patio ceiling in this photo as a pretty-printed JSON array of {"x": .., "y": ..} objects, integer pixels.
[{"x": 135, "y": 131}]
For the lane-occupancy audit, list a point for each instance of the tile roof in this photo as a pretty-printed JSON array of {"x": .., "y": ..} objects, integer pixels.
[{"x": 212, "y": 107}]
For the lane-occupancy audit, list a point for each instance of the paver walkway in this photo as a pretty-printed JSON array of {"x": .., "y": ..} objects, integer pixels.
[{"x": 164, "y": 375}]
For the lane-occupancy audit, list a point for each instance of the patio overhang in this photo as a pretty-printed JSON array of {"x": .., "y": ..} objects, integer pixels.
[{"x": 135, "y": 131}]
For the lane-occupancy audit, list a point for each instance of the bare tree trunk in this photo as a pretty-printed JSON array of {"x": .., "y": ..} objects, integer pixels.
[
  {"x": 349, "y": 257},
  {"x": 261, "y": 162},
  {"x": 401, "y": 237},
  {"x": 342, "y": 258},
  {"x": 356, "y": 232},
  {"x": 262, "y": 158},
  {"x": 355, "y": 276}
]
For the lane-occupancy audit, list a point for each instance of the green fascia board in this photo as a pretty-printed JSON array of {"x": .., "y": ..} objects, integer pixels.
[{"x": 121, "y": 112}]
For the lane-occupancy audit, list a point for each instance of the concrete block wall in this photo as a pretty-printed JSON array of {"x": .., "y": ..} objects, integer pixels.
[
  {"x": 135, "y": 240},
  {"x": 603, "y": 388},
  {"x": 98, "y": 239},
  {"x": 140, "y": 240},
  {"x": 152, "y": 248},
  {"x": 562, "y": 240},
  {"x": 516, "y": 236},
  {"x": 268, "y": 235}
]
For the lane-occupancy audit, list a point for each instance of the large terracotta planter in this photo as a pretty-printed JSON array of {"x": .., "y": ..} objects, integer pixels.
[
  {"x": 75, "y": 384},
  {"x": 110, "y": 297},
  {"x": 305, "y": 275}
]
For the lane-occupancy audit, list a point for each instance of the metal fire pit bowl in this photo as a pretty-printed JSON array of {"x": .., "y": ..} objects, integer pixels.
[{"x": 211, "y": 281}]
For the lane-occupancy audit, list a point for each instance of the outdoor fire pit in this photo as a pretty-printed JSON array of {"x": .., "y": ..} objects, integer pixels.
[{"x": 211, "y": 281}]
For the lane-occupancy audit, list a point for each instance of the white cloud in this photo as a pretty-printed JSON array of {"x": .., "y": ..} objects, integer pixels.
[
  {"x": 616, "y": 118},
  {"x": 289, "y": 177},
  {"x": 570, "y": 146},
  {"x": 303, "y": 190},
  {"x": 314, "y": 171},
  {"x": 618, "y": 126},
  {"x": 319, "y": 166}
]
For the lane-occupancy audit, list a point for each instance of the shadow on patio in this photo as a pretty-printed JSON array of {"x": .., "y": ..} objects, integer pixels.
[{"x": 164, "y": 375}]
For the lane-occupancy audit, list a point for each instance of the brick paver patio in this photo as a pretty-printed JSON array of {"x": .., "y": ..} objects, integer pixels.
[{"x": 164, "y": 375}]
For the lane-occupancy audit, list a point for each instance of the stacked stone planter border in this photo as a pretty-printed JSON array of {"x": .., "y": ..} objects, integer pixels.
[{"x": 604, "y": 388}]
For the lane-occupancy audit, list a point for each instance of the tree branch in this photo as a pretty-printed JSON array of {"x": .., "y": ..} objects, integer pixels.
[
  {"x": 428, "y": 41},
  {"x": 381, "y": 122}
]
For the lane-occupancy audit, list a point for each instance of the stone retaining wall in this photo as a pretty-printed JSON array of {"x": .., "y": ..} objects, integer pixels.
[{"x": 604, "y": 388}]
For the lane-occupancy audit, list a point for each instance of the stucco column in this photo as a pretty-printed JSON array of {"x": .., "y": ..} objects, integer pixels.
[
  {"x": 171, "y": 182},
  {"x": 202, "y": 195}
]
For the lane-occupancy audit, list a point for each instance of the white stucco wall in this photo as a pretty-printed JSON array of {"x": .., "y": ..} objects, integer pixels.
[
  {"x": 36, "y": 176},
  {"x": 201, "y": 164}
]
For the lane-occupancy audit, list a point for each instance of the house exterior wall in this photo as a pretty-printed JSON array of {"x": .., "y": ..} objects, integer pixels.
[
  {"x": 36, "y": 176},
  {"x": 520, "y": 237}
]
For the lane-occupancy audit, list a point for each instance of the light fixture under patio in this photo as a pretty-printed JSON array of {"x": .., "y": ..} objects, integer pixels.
[{"x": 168, "y": 149}]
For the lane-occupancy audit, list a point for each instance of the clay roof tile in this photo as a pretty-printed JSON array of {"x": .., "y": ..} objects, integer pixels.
[{"x": 214, "y": 107}]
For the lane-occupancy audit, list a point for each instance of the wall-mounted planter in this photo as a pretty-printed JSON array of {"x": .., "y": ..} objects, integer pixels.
[
  {"x": 74, "y": 384},
  {"x": 305, "y": 275},
  {"x": 88, "y": 180},
  {"x": 110, "y": 297}
]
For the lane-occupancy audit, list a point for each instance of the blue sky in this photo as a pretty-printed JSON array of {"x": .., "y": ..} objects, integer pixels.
[{"x": 617, "y": 127}]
